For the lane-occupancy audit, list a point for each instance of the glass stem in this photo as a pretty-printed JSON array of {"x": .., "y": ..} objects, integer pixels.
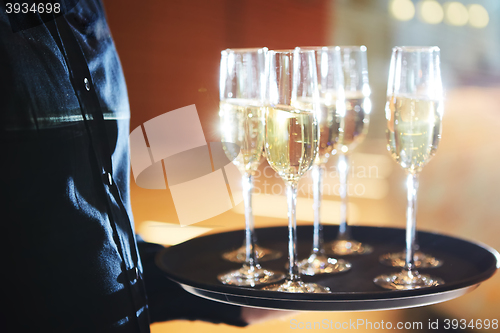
[
  {"x": 250, "y": 259},
  {"x": 343, "y": 168},
  {"x": 317, "y": 177},
  {"x": 411, "y": 217},
  {"x": 291, "y": 194}
]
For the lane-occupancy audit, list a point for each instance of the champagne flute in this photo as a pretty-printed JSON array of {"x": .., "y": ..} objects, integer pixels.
[
  {"x": 292, "y": 135},
  {"x": 414, "y": 111},
  {"x": 239, "y": 89},
  {"x": 352, "y": 130},
  {"x": 332, "y": 101},
  {"x": 243, "y": 80}
]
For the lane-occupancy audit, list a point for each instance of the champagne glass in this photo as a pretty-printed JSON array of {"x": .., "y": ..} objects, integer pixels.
[
  {"x": 353, "y": 126},
  {"x": 244, "y": 88},
  {"x": 292, "y": 135},
  {"x": 414, "y": 111},
  {"x": 332, "y": 101},
  {"x": 243, "y": 80}
]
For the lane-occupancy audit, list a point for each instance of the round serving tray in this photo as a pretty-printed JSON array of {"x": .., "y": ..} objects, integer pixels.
[{"x": 195, "y": 265}]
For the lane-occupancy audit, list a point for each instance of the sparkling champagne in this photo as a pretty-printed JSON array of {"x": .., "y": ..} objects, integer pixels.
[
  {"x": 414, "y": 130},
  {"x": 291, "y": 141},
  {"x": 243, "y": 123},
  {"x": 328, "y": 123},
  {"x": 353, "y": 125}
]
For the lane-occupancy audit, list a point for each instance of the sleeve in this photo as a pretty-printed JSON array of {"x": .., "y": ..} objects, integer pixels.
[{"x": 168, "y": 301}]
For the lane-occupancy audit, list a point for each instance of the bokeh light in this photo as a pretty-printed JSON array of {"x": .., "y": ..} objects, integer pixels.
[
  {"x": 456, "y": 13},
  {"x": 402, "y": 10},
  {"x": 430, "y": 11},
  {"x": 478, "y": 16}
]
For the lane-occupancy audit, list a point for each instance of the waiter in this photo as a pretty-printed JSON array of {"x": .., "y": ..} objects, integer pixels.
[{"x": 73, "y": 262}]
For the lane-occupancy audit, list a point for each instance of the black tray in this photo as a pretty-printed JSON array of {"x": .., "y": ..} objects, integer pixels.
[{"x": 196, "y": 263}]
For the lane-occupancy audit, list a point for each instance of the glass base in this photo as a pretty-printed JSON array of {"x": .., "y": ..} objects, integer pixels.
[
  {"x": 248, "y": 276},
  {"x": 318, "y": 263},
  {"x": 421, "y": 260},
  {"x": 407, "y": 280},
  {"x": 298, "y": 287},
  {"x": 348, "y": 247},
  {"x": 262, "y": 254}
]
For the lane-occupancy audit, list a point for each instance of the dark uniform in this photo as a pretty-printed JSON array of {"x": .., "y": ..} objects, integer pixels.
[{"x": 73, "y": 263}]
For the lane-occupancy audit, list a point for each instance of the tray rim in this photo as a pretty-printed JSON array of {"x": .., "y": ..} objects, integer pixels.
[
  {"x": 338, "y": 305},
  {"x": 399, "y": 296}
]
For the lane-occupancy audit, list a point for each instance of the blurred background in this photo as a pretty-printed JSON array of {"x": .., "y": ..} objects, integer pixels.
[{"x": 170, "y": 53}]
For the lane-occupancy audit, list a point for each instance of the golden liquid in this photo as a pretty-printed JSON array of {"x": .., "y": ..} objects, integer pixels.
[
  {"x": 243, "y": 123},
  {"x": 291, "y": 141},
  {"x": 328, "y": 132},
  {"x": 414, "y": 130},
  {"x": 342, "y": 131},
  {"x": 328, "y": 123},
  {"x": 354, "y": 125}
]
